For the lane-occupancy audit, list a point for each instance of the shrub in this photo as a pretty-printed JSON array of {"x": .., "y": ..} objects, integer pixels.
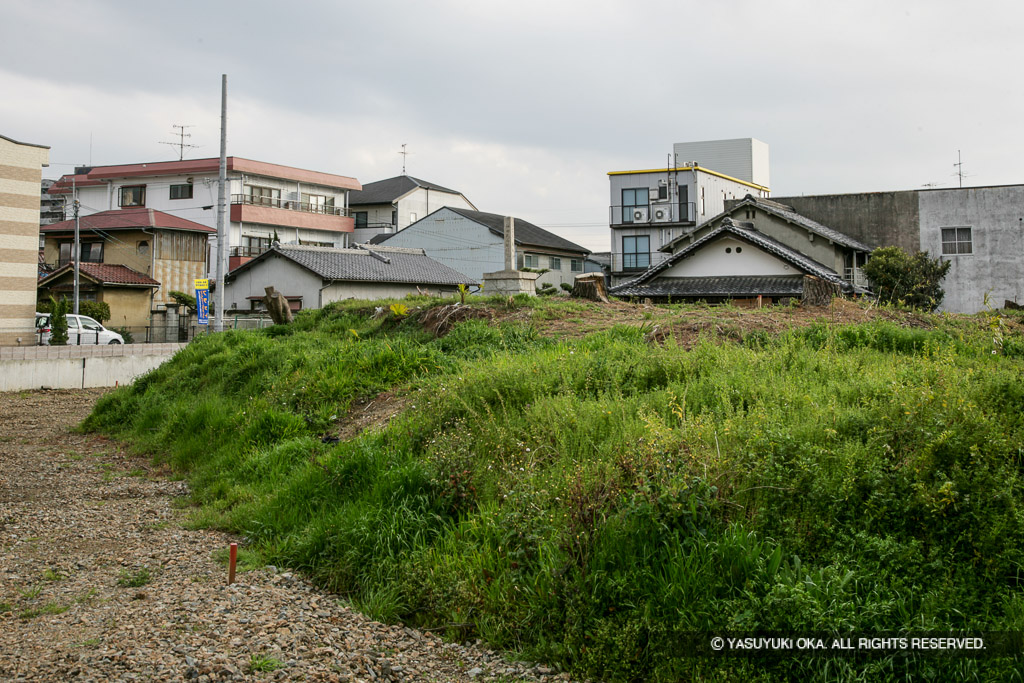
[
  {"x": 97, "y": 310},
  {"x": 898, "y": 277},
  {"x": 186, "y": 300}
]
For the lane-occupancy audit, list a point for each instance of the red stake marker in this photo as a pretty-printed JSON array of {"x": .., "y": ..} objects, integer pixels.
[{"x": 232, "y": 558}]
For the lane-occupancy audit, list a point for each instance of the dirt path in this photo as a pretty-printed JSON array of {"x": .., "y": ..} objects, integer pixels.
[{"x": 99, "y": 580}]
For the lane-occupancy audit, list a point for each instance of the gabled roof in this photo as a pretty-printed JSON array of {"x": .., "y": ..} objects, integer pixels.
[
  {"x": 746, "y": 233},
  {"x": 787, "y": 214},
  {"x": 527, "y": 234},
  {"x": 98, "y": 174},
  {"x": 131, "y": 218},
  {"x": 379, "y": 264},
  {"x": 108, "y": 274},
  {"x": 387, "y": 191}
]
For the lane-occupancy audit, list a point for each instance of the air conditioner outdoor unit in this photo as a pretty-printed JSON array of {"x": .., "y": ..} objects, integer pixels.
[
  {"x": 639, "y": 214},
  {"x": 662, "y": 213}
]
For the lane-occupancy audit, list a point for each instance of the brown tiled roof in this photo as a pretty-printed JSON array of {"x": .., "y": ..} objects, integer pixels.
[
  {"x": 106, "y": 274},
  {"x": 126, "y": 219}
]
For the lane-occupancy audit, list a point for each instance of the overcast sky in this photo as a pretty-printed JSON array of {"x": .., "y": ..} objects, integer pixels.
[{"x": 525, "y": 106}]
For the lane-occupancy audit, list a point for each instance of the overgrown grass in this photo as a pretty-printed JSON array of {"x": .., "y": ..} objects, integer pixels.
[{"x": 593, "y": 503}]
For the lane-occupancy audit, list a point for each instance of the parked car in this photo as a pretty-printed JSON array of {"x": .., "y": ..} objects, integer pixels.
[{"x": 81, "y": 330}]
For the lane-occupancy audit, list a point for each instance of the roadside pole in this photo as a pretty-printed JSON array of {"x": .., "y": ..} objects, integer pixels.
[{"x": 222, "y": 182}]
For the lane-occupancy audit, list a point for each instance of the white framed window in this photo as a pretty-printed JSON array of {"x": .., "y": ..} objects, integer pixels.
[
  {"x": 576, "y": 265},
  {"x": 556, "y": 263},
  {"x": 957, "y": 241},
  {"x": 531, "y": 261}
]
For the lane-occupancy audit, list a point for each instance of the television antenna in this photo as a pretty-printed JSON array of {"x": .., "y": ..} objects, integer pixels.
[
  {"x": 181, "y": 144},
  {"x": 960, "y": 169},
  {"x": 404, "y": 154}
]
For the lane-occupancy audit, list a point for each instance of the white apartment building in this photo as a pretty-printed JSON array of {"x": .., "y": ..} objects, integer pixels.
[{"x": 266, "y": 201}]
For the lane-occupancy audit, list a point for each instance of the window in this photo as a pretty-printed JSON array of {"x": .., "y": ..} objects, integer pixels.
[
  {"x": 308, "y": 243},
  {"x": 576, "y": 265},
  {"x": 181, "y": 191},
  {"x": 361, "y": 218},
  {"x": 142, "y": 248},
  {"x": 91, "y": 252},
  {"x": 133, "y": 195},
  {"x": 631, "y": 199},
  {"x": 531, "y": 261},
  {"x": 684, "y": 203},
  {"x": 556, "y": 263},
  {"x": 254, "y": 246},
  {"x": 318, "y": 203},
  {"x": 662, "y": 191},
  {"x": 957, "y": 241},
  {"x": 266, "y": 196},
  {"x": 394, "y": 217},
  {"x": 636, "y": 252}
]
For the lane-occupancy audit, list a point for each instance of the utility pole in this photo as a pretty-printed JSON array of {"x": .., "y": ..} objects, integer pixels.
[
  {"x": 77, "y": 248},
  {"x": 222, "y": 183}
]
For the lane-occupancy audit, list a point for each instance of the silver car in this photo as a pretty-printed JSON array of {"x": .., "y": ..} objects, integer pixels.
[{"x": 81, "y": 330}]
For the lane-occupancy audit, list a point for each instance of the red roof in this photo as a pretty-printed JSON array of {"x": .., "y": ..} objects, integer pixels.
[
  {"x": 100, "y": 174},
  {"x": 64, "y": 184},
  {"x": 126, "y": 219},
  {"x": 106, "y": 274}
]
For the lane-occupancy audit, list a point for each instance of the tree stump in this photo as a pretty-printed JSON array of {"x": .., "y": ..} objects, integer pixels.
[
  {"x": 590, "y": 286},
  {"x": 818, "y": 292},
  {"x": 277, "y": 306}
]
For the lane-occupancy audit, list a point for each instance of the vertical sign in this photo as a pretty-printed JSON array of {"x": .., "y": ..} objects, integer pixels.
[{"x": 203, "y": 301}]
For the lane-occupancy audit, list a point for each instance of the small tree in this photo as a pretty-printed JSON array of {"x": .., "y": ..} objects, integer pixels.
[
  {"x": 97, "y": 310},
  {"x": 59, "y": 322},
  {"x": 898, "y": 277},
  {"x": 186, "y": 300}
]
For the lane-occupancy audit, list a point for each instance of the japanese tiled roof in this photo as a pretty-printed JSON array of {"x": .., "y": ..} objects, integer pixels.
[
  {"x": 131, "y": 218},
  {"x": 746, "y": 233},
  {"x": 527, "y": 234},
  {"x": 106, "y": 274},
  {"x": 365, "y": 264}
]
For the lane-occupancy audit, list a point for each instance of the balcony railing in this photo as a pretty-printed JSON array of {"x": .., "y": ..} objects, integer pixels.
[
  {"x": 636, "y": 262},
  {"x": 644, "y": 214},
  {"x": 250, "y": 252},
  {"x": 855, "y": 276},
  {"x": 289, "y": 204}
]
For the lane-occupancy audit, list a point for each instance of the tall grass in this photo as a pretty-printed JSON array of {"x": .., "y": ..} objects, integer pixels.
[{"x": 594, "y": 503}]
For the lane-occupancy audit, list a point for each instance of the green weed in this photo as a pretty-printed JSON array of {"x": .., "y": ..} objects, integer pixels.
[{"x": 129, "y": 579}]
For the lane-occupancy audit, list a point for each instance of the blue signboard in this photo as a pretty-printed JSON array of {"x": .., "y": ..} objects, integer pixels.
[{"x": 203, "y": 301}]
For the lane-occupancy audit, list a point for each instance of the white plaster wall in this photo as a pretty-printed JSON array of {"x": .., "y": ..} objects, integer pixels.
[
  {"x": 286, "y": 277},
  {"x": 996, "y": 218},
  {"x": 713, "y": 261}
]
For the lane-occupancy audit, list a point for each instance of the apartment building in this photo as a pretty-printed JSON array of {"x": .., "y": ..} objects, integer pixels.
[{"x": 267, "y": 202}]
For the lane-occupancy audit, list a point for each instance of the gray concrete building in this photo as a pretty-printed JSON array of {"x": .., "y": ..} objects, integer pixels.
[{"x": 980, "y": 230}]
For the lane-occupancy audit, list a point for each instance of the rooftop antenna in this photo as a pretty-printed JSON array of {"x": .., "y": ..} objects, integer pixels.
[
  {"x": 960, "y": 169},
  {"x": 404, "y": 155},
  {"x": 180, "y": 144}
]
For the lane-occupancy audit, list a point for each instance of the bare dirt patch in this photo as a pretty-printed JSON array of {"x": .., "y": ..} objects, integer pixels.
[{"x": 100, "y": 580}]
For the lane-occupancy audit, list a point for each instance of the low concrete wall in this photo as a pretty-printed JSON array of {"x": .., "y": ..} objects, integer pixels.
[{"x": 79, "y": 367}]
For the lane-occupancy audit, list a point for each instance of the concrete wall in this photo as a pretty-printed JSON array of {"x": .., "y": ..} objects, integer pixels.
[
  {"x": 996, "y": 264},
  {"x": 77, "y": 367},
  {"x": 339, "y": 291},
  {"x": 743, "y": 158},
  {"x": 876, "y": 218},
  {"x": 21, "y": 167}
]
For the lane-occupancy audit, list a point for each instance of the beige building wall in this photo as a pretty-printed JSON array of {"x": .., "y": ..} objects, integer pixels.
[{"x": 21, "y": 177}]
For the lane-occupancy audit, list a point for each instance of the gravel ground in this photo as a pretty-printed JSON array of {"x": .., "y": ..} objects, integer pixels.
[{"x": 99, "y": 580}]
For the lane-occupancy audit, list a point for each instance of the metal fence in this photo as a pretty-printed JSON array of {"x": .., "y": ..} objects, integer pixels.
[{"x": 134, "y": 334}]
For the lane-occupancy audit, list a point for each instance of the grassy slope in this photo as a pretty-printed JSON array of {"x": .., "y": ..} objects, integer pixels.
[{"x": 592, "y": 502}]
